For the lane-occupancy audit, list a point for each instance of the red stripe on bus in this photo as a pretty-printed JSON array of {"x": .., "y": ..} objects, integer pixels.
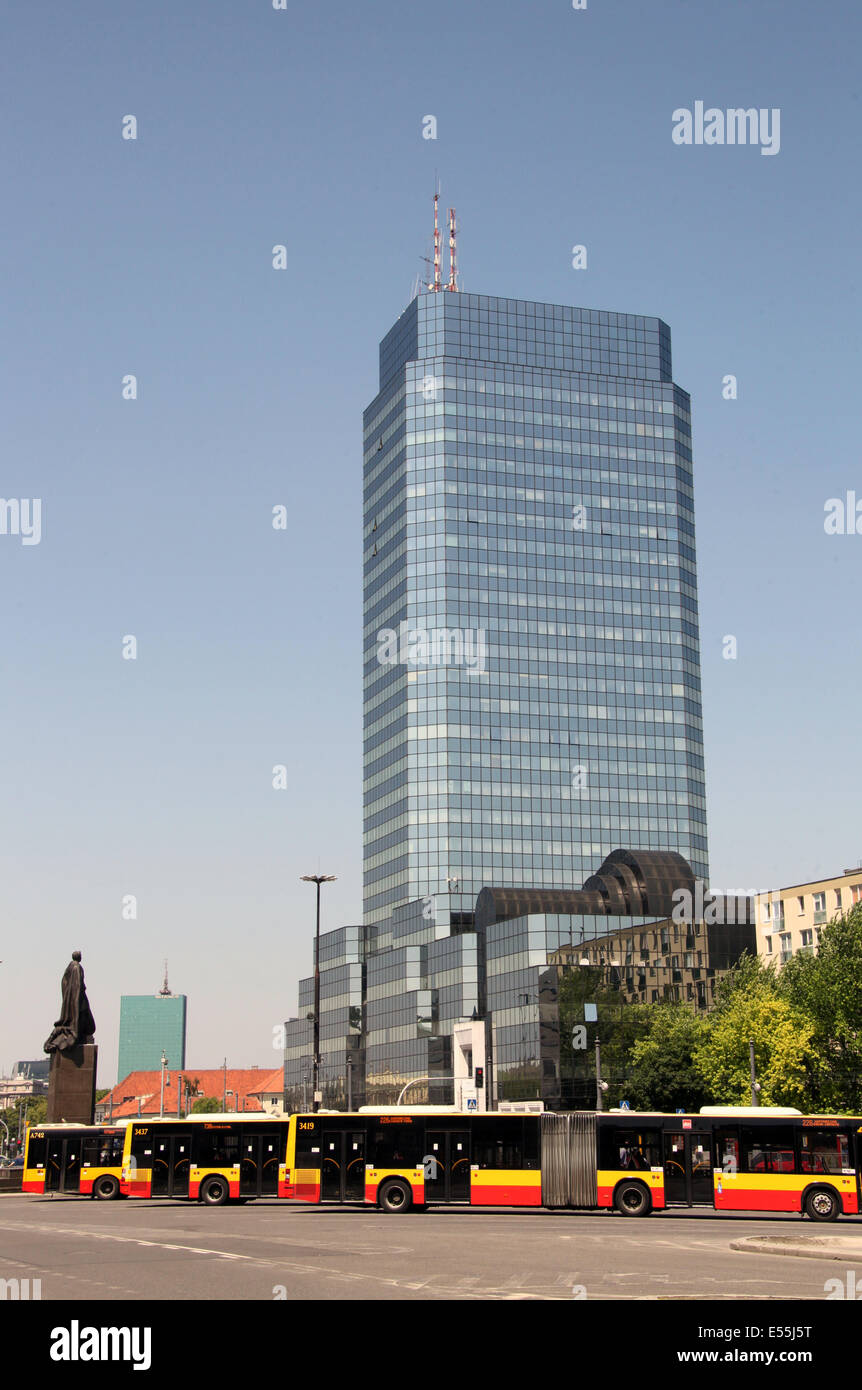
[
  {"x": 758, "y": 1199},
  {"x": 506, "y": 1196}
]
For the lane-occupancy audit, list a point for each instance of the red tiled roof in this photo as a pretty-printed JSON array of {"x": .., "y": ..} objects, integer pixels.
[
  {"x": 146, "y": 1086},
  {"x": 271, "y": 1084}
]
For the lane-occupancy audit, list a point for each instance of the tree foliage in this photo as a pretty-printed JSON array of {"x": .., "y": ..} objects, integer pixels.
[
  {"x": 663, "y": 1073},
  {"x": 782, "y": 1038},
  {"x": 827, "y": 987}
]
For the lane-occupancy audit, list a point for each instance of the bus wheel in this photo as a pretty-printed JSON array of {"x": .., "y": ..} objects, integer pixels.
[
  {"x": 395, "y": 1196},
  {"x": 633, "y": 1199},
  {"x": 106, "y": 1189},
  {"x": 822, "y": 1204},
  {"x": 215, "y": 1192}
]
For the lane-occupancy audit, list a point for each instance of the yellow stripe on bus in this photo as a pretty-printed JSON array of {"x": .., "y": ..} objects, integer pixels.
[
  {"x": 609, "y": 1177},
  {"x": 508, "y": 1177}
]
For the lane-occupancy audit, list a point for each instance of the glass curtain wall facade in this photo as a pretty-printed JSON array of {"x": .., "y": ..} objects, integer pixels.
[
  {"x": 342, "y": 988},
  {"x": 149, "y": 1025},
  {"x": 531, "y": 651}
]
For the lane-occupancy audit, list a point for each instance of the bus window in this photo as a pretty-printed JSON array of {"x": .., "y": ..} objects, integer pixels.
[
  {"x": 498, "y": 1142},
  {"x": 37, "y": 1145},
  {"x": 216, "y": 1149},
  {"x": 140, "y": 1148},
  {"x": 307, "y": 1143},
  {"x": 395, "y": 1143},
  {"x": 639, "y": 1149},
  {"x": 769, "y": 1150},
  {"x": 825, "y": 1151},
  {"x": 727, "y": 1150}
]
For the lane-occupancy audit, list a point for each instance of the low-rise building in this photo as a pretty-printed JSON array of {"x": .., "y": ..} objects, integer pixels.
[
  {"x": 20, "y": 1087},
  {"x": 142, "y": 1093},
  {"x": 270, "y": 1092},
  {"x": 791, "y": 919}
]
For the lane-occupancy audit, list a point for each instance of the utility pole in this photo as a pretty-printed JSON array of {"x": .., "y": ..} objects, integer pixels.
[
  {"x": 598, "y": 1075},
  {"x": 755, "y": 1084},
  {"x": 224, "y": 1087},
  {"x": 318, "y": 879}
]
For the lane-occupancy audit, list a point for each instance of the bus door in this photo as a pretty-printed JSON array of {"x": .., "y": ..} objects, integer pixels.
[
  {"x": 342, "y": 1177},
  {"x": 688, "y": 1168},
  {"x": 249, "y": 1165},
  {"x": 63, "y": 1164},
  {"x": 258, "y": 1164},
  {"x": 447, "y": 1165},
  {"x": 272, "y": 1145},
  {"x": 171, "y": 1153}
]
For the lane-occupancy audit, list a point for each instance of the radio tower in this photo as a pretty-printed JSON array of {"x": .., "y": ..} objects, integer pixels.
[
  {"x": 436, "y": 283},
  {"x": 165, "y": 989},
  {"x": 453, "y": 264}
]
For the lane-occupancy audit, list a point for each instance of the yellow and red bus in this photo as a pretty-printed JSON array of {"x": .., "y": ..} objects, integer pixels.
[
  {"x": 211, "y": 1158},
  {"x": 725, "y": 1159},
  {"x": 69, "y": 1158}
]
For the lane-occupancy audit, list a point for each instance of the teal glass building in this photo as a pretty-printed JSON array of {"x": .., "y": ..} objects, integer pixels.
[
  {"x": 531, "y": 651},
  {"x": 150, "y": 1024}
]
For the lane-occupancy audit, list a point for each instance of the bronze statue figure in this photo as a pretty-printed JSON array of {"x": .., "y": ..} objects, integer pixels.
[{"x": 76, "y": 1023}]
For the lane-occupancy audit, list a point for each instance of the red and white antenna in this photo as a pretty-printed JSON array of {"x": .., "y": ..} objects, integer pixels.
[
  {"x": 438, "y": 268},
  {"x": 453, "y": 261}
]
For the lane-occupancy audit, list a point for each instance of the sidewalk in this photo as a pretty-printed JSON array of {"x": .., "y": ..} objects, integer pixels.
[{"x": 821, "y": 1247}]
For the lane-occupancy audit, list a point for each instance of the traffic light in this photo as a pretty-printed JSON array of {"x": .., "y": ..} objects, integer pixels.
[{"x": 480, "y": 1078}]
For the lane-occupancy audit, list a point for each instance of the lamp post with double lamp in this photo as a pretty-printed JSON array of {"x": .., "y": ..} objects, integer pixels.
[{"x": 318, "y": 879}]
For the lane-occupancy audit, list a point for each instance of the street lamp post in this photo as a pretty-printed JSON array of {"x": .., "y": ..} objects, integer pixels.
[
  {"x": 162, "y": 1100},
  {"x": 755, "y": 1084},
  {"x": 318, "y": 879},
  {"x": 598, "y": 1075}
]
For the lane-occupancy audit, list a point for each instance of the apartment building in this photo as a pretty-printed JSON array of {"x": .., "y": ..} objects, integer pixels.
[{"x": 791, "y": 919}]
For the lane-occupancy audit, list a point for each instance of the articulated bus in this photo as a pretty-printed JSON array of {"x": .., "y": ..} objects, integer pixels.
[
  {"x": 86, "y": 1159},
  {"x": 734, "y": 1159}
]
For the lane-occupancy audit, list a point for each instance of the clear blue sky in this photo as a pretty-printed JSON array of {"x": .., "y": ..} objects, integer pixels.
[{"x": 153, "y": 257}]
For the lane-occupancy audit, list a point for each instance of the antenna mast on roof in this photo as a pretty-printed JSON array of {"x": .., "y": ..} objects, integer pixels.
[
  {"x": 453, "y": 263},
  {"x": 437, "y": 283},
  {"x": 165, "y": 989}
]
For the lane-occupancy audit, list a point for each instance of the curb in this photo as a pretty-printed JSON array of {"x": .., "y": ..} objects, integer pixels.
[{"x": 790, "y": 1245}]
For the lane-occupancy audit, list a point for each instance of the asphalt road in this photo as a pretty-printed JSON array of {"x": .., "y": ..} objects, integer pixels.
[{"x": 127, "y": 1250}]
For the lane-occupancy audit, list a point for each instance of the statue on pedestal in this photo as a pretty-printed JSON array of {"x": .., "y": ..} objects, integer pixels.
[{"x": 76, "y": 1023}]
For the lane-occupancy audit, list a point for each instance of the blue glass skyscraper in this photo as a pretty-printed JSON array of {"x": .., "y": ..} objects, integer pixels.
[{"x": 531, "y": 651}]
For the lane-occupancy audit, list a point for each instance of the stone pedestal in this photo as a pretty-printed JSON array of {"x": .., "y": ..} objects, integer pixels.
[{"x": 72, "y": 1085}]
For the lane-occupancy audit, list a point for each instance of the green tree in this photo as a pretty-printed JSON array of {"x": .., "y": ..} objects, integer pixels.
[
  {"x": 206, "y": 1105},
  {"x": 828, "y": 987},
  {"x": 663, "y": 1074},
  {"x": 33, "y": 1112},
  {"x": 782, "y": 1048}
]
